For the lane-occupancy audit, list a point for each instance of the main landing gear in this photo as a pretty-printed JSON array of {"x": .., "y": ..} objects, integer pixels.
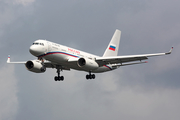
[
  {"x": 58, "y": 78},
  {"x": 61, "y": 78},
  {"x": 90, "y": 76}
]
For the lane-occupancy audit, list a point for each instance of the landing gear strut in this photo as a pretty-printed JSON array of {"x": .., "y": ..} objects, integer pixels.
[
  {"x": 90, "y": 76},
  {"x": 58, "y": 78}
]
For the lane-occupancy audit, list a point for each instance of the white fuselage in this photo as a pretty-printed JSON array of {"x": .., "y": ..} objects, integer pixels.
[{"x": 61, "y": 55}]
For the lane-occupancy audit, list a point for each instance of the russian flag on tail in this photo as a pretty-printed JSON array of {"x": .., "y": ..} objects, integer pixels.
[{"x": 111, "y": 47}]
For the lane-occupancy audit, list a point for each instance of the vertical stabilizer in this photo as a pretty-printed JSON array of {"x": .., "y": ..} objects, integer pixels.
[{"x": 112, "y": 49}]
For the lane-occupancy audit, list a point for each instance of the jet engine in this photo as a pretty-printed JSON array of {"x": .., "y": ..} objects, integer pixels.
[
  {"x": 35, "y": 66},
  {"x": 87, "y": 64}
]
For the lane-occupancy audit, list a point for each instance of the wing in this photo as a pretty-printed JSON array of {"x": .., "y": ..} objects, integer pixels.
[
  {"x": 9, "y": 61},
  {"x": 128, "y": 58},
  {"x": 47, "y": 64}
]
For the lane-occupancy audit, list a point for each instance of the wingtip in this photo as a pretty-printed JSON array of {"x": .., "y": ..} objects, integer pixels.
[
  {"x": 8, "y": 60},
  {"x": 118, "y": 30},
  {"x": 169, "y": 51}
]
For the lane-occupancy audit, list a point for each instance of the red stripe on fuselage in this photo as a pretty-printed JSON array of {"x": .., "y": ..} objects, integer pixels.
[
  {"x": 58, "y": 53},
  {"x": 107, "y": 67}
]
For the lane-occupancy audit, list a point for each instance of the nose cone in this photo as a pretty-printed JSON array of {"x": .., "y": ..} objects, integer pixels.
[{"x": 36, "y": 50}]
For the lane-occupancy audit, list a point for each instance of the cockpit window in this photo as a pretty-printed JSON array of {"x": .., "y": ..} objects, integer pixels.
[
  {"x": 42, "y": 44},
  {"x": 38, "y": 44},
  {"x": 35, "y": 43}
]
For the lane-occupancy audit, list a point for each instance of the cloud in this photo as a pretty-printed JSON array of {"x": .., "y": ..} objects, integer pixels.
[
  {"x": 11, "y": 12},
  {"x": 160, "y": 103},
  {"x": 24, "y": 2},
  {"x": 78, "y": 98},
  {"x": 19, "y": 2},
  {"x": 144, "y": 91},
  {"x": 8, "y": 93}
]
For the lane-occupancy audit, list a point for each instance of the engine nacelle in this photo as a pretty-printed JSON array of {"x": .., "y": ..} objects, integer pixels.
[
  {"x": 87, "y": 64},
  {"x": 35, "y": 66}
]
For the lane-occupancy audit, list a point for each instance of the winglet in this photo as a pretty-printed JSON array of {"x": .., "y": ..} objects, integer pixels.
[
  {"x": 8, "y": 60},
  {"x": 169, "y": 51}
]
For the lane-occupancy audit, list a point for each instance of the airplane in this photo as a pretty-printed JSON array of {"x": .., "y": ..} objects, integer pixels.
[{"x": 60, "y": 57}]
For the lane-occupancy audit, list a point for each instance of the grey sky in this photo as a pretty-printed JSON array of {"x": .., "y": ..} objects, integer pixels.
[{"x": 147, "y": 91}]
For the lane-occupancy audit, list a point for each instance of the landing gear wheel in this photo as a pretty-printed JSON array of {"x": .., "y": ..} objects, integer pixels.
[
  {"x": 58, "y": 78},
  {"x": 62, "y": 78},
  {"x": 93, "y": 76},
  {"x": 90, "y": 76},
  {"x": 55, "y": 78},
  {"x": 87, "y": 77}
]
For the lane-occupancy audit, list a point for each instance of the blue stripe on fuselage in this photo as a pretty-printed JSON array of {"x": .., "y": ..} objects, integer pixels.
[
  {"x": 57, "y": 52},
  {"x": 107, "y": 67}
]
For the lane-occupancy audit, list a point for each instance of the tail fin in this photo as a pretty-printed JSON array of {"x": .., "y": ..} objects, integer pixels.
[{"x": 112, "y": 49}]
